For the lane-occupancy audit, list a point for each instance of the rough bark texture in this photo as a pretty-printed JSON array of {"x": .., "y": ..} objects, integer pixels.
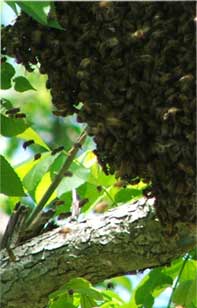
[{"x": 124, "y": 239}]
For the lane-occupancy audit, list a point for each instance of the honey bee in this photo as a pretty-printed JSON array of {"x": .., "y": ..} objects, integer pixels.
[
  {"x": 12, "y": 111},
  {"x": 27, "y": 143},
  {"x": 65, "y": 230},
  {"x": 37, "y": 156},
  {"x": 57, "y": 150},
  {"x": 20, "y": 115},
  {"x": 101, "y": 207}
]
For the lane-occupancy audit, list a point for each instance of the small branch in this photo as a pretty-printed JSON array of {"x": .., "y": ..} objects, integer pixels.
[
  {"x": 75, "y": 204},
  {"x": 57, "y": 179},
  {"x": 14, "y": 226}
]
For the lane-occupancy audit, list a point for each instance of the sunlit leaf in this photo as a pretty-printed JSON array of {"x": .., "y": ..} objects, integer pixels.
[
  {"x": 88, "y": 159},
  {"x": 34, "y": 176},
  {"x": 7, "y": 72},
  {"x": 42, "y": 187},
  {"x": 189, "y": 271},
  {"x": 29, "y": 134},
  {"x": 22, "y": 84},
  {"x": 112, "y": 304},
  {"x": 98, "y": 177},
  {"x": 11, "y": 127},
  {"x": 87, "y": 301},
  {"x": 112, "y": 296},
  {"x": 124, "y": 281},
  {"x": 10, "y": 182},
  {"x": 25, "y": 167}
]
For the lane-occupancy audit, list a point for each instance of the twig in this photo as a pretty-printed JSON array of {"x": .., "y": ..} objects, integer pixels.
[
  {"x": 15, "y": 226},
  {"x": 178, "y": 278},
  {"x": 57, "y": 179},
  {"x": 75, "y": 204}
]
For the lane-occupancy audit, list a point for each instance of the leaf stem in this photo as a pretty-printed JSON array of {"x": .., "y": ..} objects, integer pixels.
[
  {"x": 109, "y": 196},
  {"x": 71, "y": 155},
  {"x": 178, "y": 278}
]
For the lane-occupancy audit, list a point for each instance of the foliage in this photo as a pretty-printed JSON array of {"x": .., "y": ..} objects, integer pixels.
[{"x": 29, "y": 180}]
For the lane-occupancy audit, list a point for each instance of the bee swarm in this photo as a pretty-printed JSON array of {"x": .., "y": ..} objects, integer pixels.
[{"x": 132, "y": 65}]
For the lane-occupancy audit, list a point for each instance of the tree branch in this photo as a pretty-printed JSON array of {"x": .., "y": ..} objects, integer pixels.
[{"x": 124, "y": 239}]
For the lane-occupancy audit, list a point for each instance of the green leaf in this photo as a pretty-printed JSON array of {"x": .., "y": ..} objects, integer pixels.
[
  {"x": 35, "y": 9},
  {"x": 189, "y": 271},
  {"x": 144, "y": 293},
  {"x": 185, "y": 293},
  {"x": 83, "y": 287},
  {"x": 39, "y": 11},
  {"x": 61, "y": 302},
  {"x": 124, "y": 281},
  {"x": 29, "y": 134},
  {"x": 171, "y": 271},
  {"x": 10, "y": 182},
  {"x": 7, "y": 72},
  {"x": 34, "y": 176},
  {"x": 12, "y": 4},
  {"x": 77, "y": 283},
  {"x": 111, "y": 296},
  {"x": 87, "y": 301},
  {"x": 22, "y": 84},
  {"x": 67, "y": 198},
  {"x": 90, "y": 292},
  {"x": 126, "y": 194},
  {"x": 41, "y": 188},
  {"x": 147, "y": 300},
  {"x": 89, "y": 191},
  {"x": 11, "y": 127},
  {"x": 112, "y": 304},
  {"x": 98, "y": 177},
  {"x": 52, "y": 19},
  {"x": 158, "y": 278},
  {"x": 80, "y": 176},
  {"x": 25, "y": 167},
  {"x": 69, "y": 183},
  {"x": 5, "y": 105}
]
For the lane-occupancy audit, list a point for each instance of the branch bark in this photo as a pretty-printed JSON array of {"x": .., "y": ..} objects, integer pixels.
[{"x": 123, "y": 240}]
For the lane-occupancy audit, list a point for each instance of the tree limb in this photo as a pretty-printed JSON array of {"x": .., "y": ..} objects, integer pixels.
[{"x": 123, "y": 240}]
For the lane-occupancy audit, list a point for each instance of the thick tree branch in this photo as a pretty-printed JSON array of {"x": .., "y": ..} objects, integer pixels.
[{"x": 124, "y": 239}]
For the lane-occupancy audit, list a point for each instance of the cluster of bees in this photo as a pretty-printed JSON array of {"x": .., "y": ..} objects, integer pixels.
[{"x": 132, "y": 65}]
